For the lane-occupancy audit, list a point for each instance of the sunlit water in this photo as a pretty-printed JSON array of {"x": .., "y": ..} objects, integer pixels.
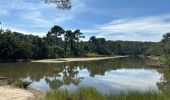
[
  {"x": 116, "y": 75},
  {"x": 115, "y": 81}
]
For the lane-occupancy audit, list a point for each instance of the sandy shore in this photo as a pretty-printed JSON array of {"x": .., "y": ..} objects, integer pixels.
[
  {"x": 61, "y": 60},
  {"x": 153, "y": 57},
  {"x": 12, "y": 93},
  {"x": 9, "y": 92}
]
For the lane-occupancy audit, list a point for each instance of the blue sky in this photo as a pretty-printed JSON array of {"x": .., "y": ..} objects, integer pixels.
[{"x": 135, "y": 20}]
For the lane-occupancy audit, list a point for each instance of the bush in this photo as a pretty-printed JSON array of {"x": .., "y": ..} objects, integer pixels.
[
  {"x": 93, "y": 55},
  {"x": 93, "y": 94},
  {"x": 21, "y": 84},
  {"x": 165, "y": 59},
  {"x": 55, "y": 52}
]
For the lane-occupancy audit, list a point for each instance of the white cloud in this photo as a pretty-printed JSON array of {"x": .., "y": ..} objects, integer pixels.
[
  {"x": 41, "y": 34},
  {"x": 38, "y": 16},
  {"x": 131, "y": 80},
  {"x": 35, "y": 16},
  {"x": 150, "y": 25},
  {"x": 23, "y": 4},
  {"x": 149, "y": 28}
]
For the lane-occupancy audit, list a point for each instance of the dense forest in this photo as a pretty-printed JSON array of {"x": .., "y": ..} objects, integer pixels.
[{"x": 67, "y": 43}]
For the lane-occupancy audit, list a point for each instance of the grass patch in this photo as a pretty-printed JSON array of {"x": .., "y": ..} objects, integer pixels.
[
  {"x": 80, "y": 94},
  {"x": 21, "y": 84},
  {"x": 137, "y": 96},
  {"x": 93, "y": 55},
  {"x": 93, "y": 94}
]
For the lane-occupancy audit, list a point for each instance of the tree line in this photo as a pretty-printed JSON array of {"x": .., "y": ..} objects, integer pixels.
[{"x": 67, "y": 43}]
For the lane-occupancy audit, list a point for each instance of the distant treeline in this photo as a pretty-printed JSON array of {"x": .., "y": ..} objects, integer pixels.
[{"x": 66, "y": 43}]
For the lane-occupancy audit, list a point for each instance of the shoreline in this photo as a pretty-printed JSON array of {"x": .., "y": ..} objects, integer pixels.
[
  {"x": 153, "y": 57},
  {"x": 8, "y": 92},
  {"x": 38, "y": 94},
  {"x": 63, "y": 60}
]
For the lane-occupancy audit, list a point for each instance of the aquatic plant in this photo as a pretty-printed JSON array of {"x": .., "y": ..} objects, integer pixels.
[{"x": 93, "y": 94}]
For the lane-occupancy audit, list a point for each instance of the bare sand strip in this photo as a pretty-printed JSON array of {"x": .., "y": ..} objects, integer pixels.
[
  {"x": 12, "y": 93},
  {"x": 61, "y": 60},
  {"x": 153, "y": 57}
]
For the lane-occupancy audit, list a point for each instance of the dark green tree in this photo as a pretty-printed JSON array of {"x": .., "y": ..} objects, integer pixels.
[{"x": 54, "y": 35}]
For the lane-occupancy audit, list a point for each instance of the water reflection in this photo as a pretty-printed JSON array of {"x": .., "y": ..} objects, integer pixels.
[
  {"x": 107, "y": 75},
  {"x": 115, "y": 81}
]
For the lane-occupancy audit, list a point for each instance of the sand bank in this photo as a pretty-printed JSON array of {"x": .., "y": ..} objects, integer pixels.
[
  {"x": 61, "y": 60},
  {"x": 12, "y": 93}
]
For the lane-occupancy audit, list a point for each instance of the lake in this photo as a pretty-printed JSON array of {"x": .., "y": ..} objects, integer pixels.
[{"x": 114, "y": 75}]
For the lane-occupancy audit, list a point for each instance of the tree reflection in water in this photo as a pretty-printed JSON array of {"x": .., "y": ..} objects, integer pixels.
[{"x": 57, "y": 75}]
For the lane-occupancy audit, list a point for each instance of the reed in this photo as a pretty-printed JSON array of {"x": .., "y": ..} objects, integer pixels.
[{"x": 93, "y": 94}]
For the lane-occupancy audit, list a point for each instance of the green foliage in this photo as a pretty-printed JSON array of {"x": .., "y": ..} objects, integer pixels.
[
  {"x": 14, "y": 45},
  {"x": 55, "y": 51},
  {"x": 54, "y": 35},
  {"x": 23, "y": 50},
  {"x": 20, "y": 83},
  {"x": 93, "y": 94},
  {"x": 103, "y": 47},
  {"x": 93, "y": 55},
  {"x": 99, "y": 45},
  {"x": 138, "y": 96},
  {"x": 166, "y": 38},
  {"x": 80, "y": 94},
  {"x": 72, "y": 40},
  {"x": 165, "y": 57}
]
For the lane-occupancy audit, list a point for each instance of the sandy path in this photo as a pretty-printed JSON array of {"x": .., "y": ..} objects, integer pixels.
[
  {"x": 61, "y": 60},
  {"x": 11, "y": 93}
]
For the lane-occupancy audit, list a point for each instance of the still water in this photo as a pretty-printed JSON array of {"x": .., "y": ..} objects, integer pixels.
[{"x": 114, "y": 75}]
